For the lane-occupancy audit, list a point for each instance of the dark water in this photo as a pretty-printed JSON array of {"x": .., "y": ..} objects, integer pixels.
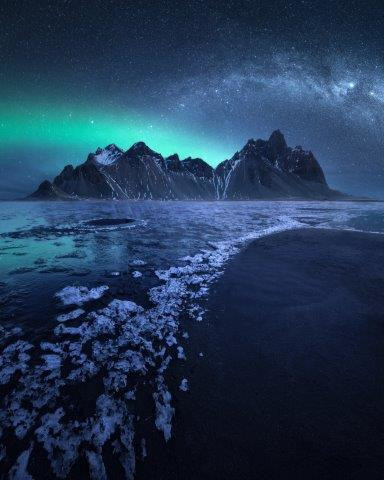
[{"x": 94, "y": 308}]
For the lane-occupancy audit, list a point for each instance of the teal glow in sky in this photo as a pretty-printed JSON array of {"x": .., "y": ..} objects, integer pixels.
[{"x": 82, "y": 129}]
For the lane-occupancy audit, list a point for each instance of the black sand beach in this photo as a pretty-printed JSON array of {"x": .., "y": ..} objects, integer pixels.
[{"x": 291, "y": 381}]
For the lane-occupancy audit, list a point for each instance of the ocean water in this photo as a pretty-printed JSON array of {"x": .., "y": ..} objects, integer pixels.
[{"x": 92, "y": 316}]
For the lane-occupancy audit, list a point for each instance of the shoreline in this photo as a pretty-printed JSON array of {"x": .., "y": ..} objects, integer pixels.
[
  {"x": 289, "y": 384},
  {"x": 346, "y": 199}
]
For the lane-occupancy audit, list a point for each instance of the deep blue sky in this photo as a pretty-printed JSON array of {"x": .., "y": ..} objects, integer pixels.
[{"x": 198, "y": 77}]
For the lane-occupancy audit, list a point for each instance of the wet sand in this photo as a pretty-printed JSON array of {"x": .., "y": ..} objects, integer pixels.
[{"x": 291, "y": 381}]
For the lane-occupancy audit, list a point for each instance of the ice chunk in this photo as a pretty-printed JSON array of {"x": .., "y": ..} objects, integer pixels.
[
  {"x": 180, "y": 353},
  {"x": 72, "y": 295},
  {"x": 137, "y": 263},
  {"x": 184, "y": 385},
  {"x": 121, "y": 309},
  {"x": 52, "y": 361},
  {"x": 19, "y": 470},
  {"x": 143, "y": 448},
  {"x": 96, "y": 466},
  {"x": 64, "y": 317},
  {"x": 164, "y": 411}
]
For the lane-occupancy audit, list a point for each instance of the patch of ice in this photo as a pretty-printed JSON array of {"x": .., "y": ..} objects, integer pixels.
[
  {"x": 143, "y": 449},
  {"x": 184, "y": 385},
  {"x": 114, "y": 274},
  {"x": 164, "y": 410},
  {"x": 96, "y": 466},
  {"x": 8, "y": 333},
  {"x": 136, "y": 274},
  {"x": 180, "y": 353},
  {"x": 14, "y": 359},
  {"x": 19, "y": 470},
  {"x": 72, "y": 295},
  {"x": 52, "y": 361},
  {"x": 53, "y": 347},
  {"x": 64, "y": 317},
  {"x": 137, "y": 263},
  {"x": 60, "y": 441},
  {"x": 121, "y": 309}
]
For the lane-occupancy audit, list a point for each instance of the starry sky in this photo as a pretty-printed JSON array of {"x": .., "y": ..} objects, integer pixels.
[{"x": 195, "y": 77}]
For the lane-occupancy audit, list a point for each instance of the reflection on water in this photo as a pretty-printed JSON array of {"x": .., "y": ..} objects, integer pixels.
[
  {"x": 44, "y": 246},
  {"x": 94, "y": 307}
]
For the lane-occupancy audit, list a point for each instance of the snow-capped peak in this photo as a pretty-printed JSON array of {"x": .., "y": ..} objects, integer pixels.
[{"x": 107, "y": 155}]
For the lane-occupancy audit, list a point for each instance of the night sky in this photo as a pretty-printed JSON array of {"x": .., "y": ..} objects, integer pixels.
[{"x": 195, "y": 77}]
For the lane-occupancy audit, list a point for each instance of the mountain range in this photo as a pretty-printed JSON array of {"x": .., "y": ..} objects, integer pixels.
[{"x": 262, "y": 169}]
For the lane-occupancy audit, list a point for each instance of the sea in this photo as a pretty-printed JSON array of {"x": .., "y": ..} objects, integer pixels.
[{"x": 96, "y": 299}]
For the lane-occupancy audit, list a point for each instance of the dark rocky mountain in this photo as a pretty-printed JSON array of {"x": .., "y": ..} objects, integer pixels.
[
  {"x": 48, "y": 191},
  {"x": 261, "y": 169}
]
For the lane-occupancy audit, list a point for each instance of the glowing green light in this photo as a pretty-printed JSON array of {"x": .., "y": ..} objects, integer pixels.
[{"x": 83, "y": 128}]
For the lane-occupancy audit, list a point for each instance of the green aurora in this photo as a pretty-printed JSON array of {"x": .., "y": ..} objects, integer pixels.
[{"x": 79, "y": 129}]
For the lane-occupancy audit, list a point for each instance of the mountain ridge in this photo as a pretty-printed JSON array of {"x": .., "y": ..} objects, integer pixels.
[{"x": 262, "y": 169}]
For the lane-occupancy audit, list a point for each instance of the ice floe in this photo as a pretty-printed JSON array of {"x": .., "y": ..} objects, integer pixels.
[
  {"x": 19, "y": 470},
  {"x": 64, "y": 317},
  {"x": 72, "y": 295},
  {"x": 164, "y": 410}
]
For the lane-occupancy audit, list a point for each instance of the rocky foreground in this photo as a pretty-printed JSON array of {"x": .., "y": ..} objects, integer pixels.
[{"x": 262, "y": 169}]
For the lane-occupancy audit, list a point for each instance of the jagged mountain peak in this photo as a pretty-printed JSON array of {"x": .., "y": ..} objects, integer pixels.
[
  {"x": 277, "y": 136},
  {"x": 141, "y": 149},
  {"x": 261, "y": 169},
  {"x": 113, "y": 148},
  {"x": 105, "y": 156},
  {"x": 173, "y": 163},
  {"x": 173, "y": 157},
  {"x": 252, "y": 146},
  {"x": 271, "y": 149},
  {"x": 277, "y": 143}
]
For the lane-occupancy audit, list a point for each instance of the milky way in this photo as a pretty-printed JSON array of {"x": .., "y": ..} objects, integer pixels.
[{"x": 199, "y": 78}]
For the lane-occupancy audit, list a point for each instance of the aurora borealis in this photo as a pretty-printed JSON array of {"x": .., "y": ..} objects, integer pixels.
[
  {"x": 81, "y": 129},
  {"x": 76, "y": 127},
  {"x": 196, "y": 78}
]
